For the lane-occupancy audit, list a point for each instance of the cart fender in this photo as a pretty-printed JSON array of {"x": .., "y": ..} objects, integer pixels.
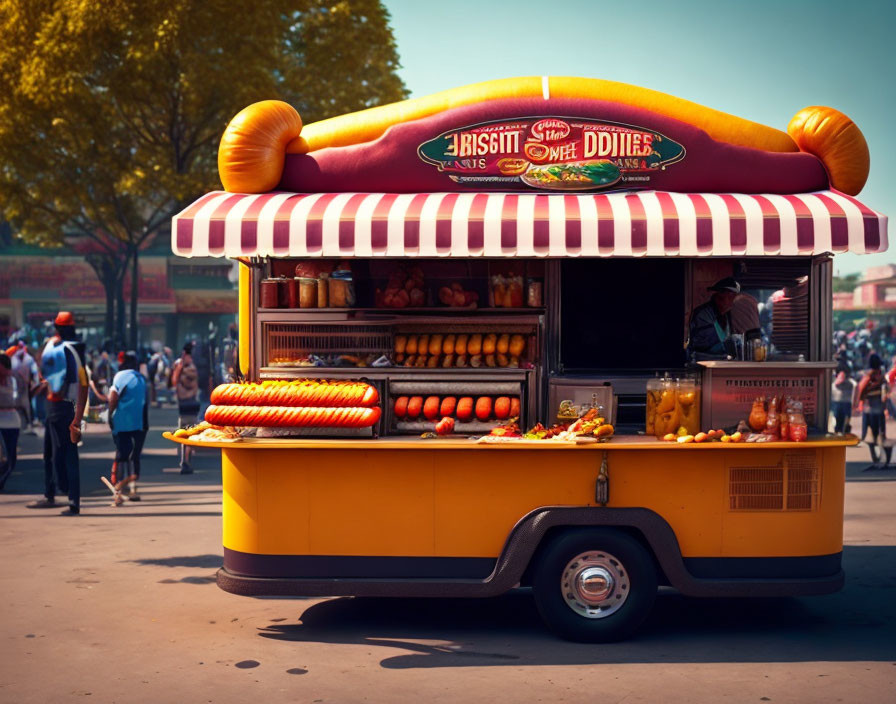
[{"x": 529, "y": 533}]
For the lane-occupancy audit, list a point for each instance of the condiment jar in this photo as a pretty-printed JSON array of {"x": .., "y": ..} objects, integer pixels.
[
  {"x": 307, "y": 292},
  {"x": 667, "y": 414},
  {"x": 283, "y": 291},
  {"x": 687, "y": 406},
  {"x": 269, "y": 294},
  {"x": 654, "y": 391},
  {"x": 799, "y": 429},
  {"x": 293, "y": 291},
  {"x": 534, "y": 297},
  {"x": 758, "y": 415},
  {"x": 323, "y": 291},
  {"x": 342, "y": 290}
]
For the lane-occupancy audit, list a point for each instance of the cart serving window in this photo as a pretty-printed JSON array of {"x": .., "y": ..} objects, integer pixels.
[{"x": 435, "y": 293}]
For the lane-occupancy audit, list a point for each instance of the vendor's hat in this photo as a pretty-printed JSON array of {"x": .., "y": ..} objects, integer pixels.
[
  {"x": 64, "y": 318},
  {"x": 726, "y": 284}
]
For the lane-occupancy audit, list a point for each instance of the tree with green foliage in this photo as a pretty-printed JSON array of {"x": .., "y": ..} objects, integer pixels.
[
  {"x": 847, "y": 283},
  {"x": 112, "y": 111}
]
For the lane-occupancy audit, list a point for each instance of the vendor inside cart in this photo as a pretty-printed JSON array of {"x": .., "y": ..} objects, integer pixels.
[{"x": 710, "y": 327}]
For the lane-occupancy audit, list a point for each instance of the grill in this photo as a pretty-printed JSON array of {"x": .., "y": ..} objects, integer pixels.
[
  {"x": 365, "y": 348},
  {"x": 288, "y": 343},
  {"x": 792, "y": 485}
]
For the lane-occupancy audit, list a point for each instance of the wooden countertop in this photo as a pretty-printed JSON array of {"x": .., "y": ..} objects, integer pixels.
[{"x": 618, "y": 442}]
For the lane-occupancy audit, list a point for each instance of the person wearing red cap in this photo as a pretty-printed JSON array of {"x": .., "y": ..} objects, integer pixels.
[{"x": 65, "y": 383}]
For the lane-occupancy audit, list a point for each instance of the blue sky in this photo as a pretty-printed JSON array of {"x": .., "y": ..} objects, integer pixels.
[{"x": 757, "y": 59}]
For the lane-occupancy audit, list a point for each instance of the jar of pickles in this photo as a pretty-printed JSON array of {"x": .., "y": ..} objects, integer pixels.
[
  {"x": 687, "y": 401},
  {"x": 674, "y": 406},
  {"x": 667, "y": 416},
  {"x": 654, "y": 391}
]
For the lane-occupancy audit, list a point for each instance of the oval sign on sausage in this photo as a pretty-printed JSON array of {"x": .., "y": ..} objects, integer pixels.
[{"x": 552, "y": 153}]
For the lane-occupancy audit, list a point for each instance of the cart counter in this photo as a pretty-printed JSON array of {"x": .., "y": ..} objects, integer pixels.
[{"x": 319, "y": 516}]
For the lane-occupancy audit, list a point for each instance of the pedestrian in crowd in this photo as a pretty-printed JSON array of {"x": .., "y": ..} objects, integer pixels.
[
  {"x": 9, "y": 417},
  {"x": 96, "y": 397},
  {"x": 842, "y": 357},
  {"x": 203, "y": 352},
  {"x": 230, "y": 356},
  {"x": 185, "y": 381},
  {"x": 872, "y": 394},
  {"x": 128, "y": 418},
  {"x": 38, "y": 397},
  {"x": 159, "y": 368},
  {"x": 65, "y": 385},
  {"x": 843, "y": 393},
  {"x": 891, "y": 395},
  {"x": 25, "y": 369},
  {"x": 103, "y": 371}
]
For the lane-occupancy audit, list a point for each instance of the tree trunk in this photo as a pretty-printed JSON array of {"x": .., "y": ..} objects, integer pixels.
[
  {"x": 120, "y": 317},
  {"x": 135, "y": 291},
  {"x": 109, "y": 269}
]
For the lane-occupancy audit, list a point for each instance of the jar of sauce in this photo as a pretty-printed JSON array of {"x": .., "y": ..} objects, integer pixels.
[
  {"x": 292, "y": 287},
  {"x": 799, "y": 429},
  {"x": 307, "y": 292},
  {"x": 534, "y": 296},
  {"x": 323, "y": 291},
  {"x": 270, "y": 294},
  {"x": 342, "y": 290}
]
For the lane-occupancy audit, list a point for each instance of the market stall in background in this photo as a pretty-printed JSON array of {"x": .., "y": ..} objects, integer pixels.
[{"x": 433, "y": 292}]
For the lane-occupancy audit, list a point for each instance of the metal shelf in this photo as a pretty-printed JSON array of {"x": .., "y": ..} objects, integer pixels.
[
  {"x": 391, "y": 313},
  {"x": 392, "y": 373}
]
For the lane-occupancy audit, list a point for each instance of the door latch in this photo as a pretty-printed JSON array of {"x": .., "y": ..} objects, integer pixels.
[{"x": 602, "y": 485}]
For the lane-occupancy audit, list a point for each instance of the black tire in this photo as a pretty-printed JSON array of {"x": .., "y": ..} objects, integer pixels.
[{"x": 628, "y": 562}]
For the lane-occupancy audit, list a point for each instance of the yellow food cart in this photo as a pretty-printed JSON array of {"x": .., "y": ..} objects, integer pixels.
[{"x": 573, "y": 224}]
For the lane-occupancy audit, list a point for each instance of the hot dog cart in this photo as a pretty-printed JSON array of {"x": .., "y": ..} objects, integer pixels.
[{"x": 519, "y": 244}]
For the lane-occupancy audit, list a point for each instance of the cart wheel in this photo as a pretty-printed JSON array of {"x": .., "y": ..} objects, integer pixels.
[{"x": 594, "y": 585}]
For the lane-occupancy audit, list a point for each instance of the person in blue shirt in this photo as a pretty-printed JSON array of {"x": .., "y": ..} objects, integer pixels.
[
  {"x": 128, "y": 416},
  {"x": 64, "y": 382}
]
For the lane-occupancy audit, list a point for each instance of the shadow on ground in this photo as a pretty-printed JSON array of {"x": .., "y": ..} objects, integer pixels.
[
  {"x": 182, "y": 561},
  {"x": 856, "y": 624}
]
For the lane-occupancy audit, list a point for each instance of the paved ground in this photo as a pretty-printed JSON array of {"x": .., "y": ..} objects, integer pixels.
[{"x": 120, "y": 605}]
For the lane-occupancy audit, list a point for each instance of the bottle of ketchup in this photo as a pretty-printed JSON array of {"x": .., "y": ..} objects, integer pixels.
[{"x": 799, "y": 430}]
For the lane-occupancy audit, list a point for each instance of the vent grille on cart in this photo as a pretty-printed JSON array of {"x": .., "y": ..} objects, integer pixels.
[
  {"x": 289, "y": 340},
  {"x": 792, "y": 485}
]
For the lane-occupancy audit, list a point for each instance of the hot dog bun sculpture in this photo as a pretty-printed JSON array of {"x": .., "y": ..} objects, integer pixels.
[
  {"x": 306, "y": 403},
  {"x": 518, "y": 128}
]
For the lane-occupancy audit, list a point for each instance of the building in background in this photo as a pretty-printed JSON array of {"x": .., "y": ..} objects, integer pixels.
[
  {"x": 177, "y": 297},
  {"x": 873, "y": 299}
]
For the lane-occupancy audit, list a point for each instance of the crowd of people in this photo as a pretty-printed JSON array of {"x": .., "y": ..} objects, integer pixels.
[
  {"x": 864, "y": 383},
  {"x": 59, "y": 384}
]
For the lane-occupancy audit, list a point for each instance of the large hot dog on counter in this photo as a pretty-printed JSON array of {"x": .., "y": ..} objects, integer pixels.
[
  {"x": 301, "y": 403},
  {"x": 285, "y": 417},
  {"x": 390, "y": 148},
  {"x": 305, "y": 392}
]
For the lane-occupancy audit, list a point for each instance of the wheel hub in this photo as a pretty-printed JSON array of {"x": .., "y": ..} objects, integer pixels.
[{"x": 595, "y": 584}]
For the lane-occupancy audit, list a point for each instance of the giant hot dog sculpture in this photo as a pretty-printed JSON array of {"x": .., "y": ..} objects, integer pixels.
[
  {"x": 540, "y": 133},
  {"x": 303, "y": 403}
]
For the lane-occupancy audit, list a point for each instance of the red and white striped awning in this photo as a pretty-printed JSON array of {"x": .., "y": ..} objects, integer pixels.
[{"x": 649, "y": 223}]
